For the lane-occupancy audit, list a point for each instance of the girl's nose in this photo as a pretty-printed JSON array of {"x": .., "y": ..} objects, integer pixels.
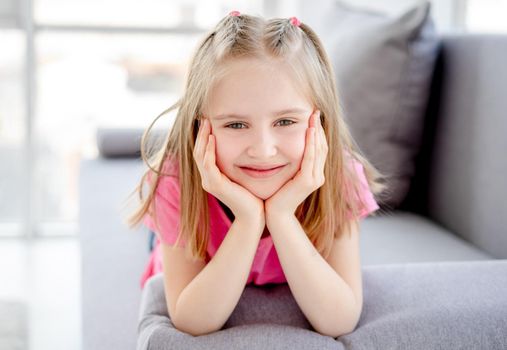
[{"x": 262, "y": 145}]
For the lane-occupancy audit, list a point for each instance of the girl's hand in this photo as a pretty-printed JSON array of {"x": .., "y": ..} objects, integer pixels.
[
  {"x": 238, "y": 199},
  {"x": 309, "y": 177}
]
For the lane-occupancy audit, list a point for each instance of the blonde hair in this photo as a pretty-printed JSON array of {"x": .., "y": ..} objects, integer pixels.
[{"x": 298, "y": 47}]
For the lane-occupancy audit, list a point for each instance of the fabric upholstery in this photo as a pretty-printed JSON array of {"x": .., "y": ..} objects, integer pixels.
[
  {"x": 466, "y": 183},
  {"x": 287, "y": 328},
  {"x": 402, "y": 237},
  {"x": 449, "y": 305},
  {"x": 113, "y": 256},
  {"x": 406, "y": 306}
]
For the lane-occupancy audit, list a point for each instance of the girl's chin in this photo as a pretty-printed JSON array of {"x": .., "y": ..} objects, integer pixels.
[{"x": 261, "y": 193}]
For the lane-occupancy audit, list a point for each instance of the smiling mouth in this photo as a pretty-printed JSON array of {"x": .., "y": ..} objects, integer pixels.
[
  {"x": 261, "y": 173},
  {"x": 256, "y": 169}
]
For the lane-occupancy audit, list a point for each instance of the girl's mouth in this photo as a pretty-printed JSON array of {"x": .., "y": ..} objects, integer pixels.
[{"x": 262, "y": 173}]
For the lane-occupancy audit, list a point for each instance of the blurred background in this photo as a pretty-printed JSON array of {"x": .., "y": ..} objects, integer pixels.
[{"x": 68, "y": 67}]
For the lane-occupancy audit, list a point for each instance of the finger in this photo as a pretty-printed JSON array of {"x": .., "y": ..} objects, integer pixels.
[
  {"x": 311, "y": 120},
  {"x": 309, "y": 153},
  {"x": 211, "y": 145},
  {"x": 202, "y": 141},
  {"x": 209, "y": 154},
  {"x": 322, "y": 150},
  {"x": 319, "y": 152},
  {"x": 319, "y": 132},
  {"x": 310, "y": 166},
  {"x": 315, "y": 143},
  {"x": 316, "y": 152}
]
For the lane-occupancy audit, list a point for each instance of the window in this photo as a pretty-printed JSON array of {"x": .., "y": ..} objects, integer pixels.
[
  {"x": 86, "y": 64},
  {"x": 90, "y": 80},
  {"x": 12, "y": 132},
  {"x": 141, "y": 14},
  {"x": 487, "y": 16}
]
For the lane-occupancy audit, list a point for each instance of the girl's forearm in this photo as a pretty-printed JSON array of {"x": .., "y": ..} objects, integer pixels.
[
  {"x": 208, "y": 301},
  {"x": 323, "y": 296}
]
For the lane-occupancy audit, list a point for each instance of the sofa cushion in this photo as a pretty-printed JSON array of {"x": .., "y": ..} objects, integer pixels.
[
  {"x": 408, "y": 306},
  {"x": 383, "y": 65},
  {"x": 404, "y": 237}
]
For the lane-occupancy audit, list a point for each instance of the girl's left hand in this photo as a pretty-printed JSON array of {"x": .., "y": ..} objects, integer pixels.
[{"x": 309, "y": 177}]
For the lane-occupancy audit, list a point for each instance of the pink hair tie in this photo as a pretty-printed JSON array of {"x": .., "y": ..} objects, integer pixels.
[
  {"x": 295, "y": 22},
  {"x": 234, "y": 13}
]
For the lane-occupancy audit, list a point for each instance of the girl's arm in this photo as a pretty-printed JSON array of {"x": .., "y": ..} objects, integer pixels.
[
  {"x": 207, "y": 302},
  {"x": 328, "y": 293}
]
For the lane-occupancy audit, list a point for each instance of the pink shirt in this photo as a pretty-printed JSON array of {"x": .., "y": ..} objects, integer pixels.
[{"x": 266, "y": 267}]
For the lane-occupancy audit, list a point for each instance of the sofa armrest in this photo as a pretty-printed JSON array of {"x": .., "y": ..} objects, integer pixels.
[
  {"x": 406, "y": 306},
  {"x": 124, "y": 142},
  {"x": 252, "y": 325},
  {"x": 451, "y": 305},
  {"x": 113, "y": 256}
]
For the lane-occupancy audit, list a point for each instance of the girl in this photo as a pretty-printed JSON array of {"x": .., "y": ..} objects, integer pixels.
[{"x": 259, "y": 181}]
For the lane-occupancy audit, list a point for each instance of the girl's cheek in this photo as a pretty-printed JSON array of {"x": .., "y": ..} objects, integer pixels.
[
  {"x": 294, "y": 144},
  {"x": 222, "y": 140},
  {"x": 301, "y": 145},
  {"x": 220, "y": 157},
  {"x": 224, "y": 151},
  {"x": 297, "y": 134}
]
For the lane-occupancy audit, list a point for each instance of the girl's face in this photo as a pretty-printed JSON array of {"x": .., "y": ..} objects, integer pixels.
[{"x": 259, "y": 119}]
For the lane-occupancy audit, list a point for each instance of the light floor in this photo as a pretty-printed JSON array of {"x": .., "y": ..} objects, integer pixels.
[{"x": 45, "y": 273}]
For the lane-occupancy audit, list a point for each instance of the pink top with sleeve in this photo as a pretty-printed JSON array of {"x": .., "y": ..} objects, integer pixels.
[{"x": 266, "y": 267}]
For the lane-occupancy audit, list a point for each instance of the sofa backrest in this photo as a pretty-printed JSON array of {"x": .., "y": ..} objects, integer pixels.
[{"x": 461, "y": 176}]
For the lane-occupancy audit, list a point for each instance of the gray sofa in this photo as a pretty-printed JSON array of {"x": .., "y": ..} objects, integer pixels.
[{"x": 434, "y": 268}]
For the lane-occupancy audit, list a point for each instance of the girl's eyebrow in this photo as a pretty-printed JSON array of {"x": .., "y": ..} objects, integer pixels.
[{"x": 246, "y": 117}]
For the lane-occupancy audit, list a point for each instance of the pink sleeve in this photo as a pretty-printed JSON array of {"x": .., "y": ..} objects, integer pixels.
[
  {"x": 167, "y": 210},
  {"x": 365, "y": 193}
]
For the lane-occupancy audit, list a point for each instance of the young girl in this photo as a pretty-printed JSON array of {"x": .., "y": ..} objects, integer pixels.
[{"x": 259, "y": 181}]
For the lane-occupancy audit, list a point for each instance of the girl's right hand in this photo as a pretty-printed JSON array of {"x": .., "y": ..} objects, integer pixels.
[{"x": 238, "y": 199}]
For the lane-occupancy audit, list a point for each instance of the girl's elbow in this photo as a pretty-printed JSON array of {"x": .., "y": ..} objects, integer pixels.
[
  {"x": 193, "y": 328},
  {"x": 194, "y": 331},
  {"x": 335, "y": 332},
  {"x": 341, "y": 326}
]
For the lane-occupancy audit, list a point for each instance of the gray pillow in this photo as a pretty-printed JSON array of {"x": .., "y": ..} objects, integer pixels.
[
  {"x": 383, "y": 65},
  {"x": 124, "y": 142}
]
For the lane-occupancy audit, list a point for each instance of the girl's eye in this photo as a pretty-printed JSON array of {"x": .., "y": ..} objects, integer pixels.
[
  {"x": 281, "y": 120},
  {"x": 232, "y": 124},
  {"x": 287, "y": 120}
]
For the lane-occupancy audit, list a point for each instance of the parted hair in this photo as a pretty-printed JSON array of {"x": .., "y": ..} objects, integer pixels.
[{"x": 324, "y": 214}]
